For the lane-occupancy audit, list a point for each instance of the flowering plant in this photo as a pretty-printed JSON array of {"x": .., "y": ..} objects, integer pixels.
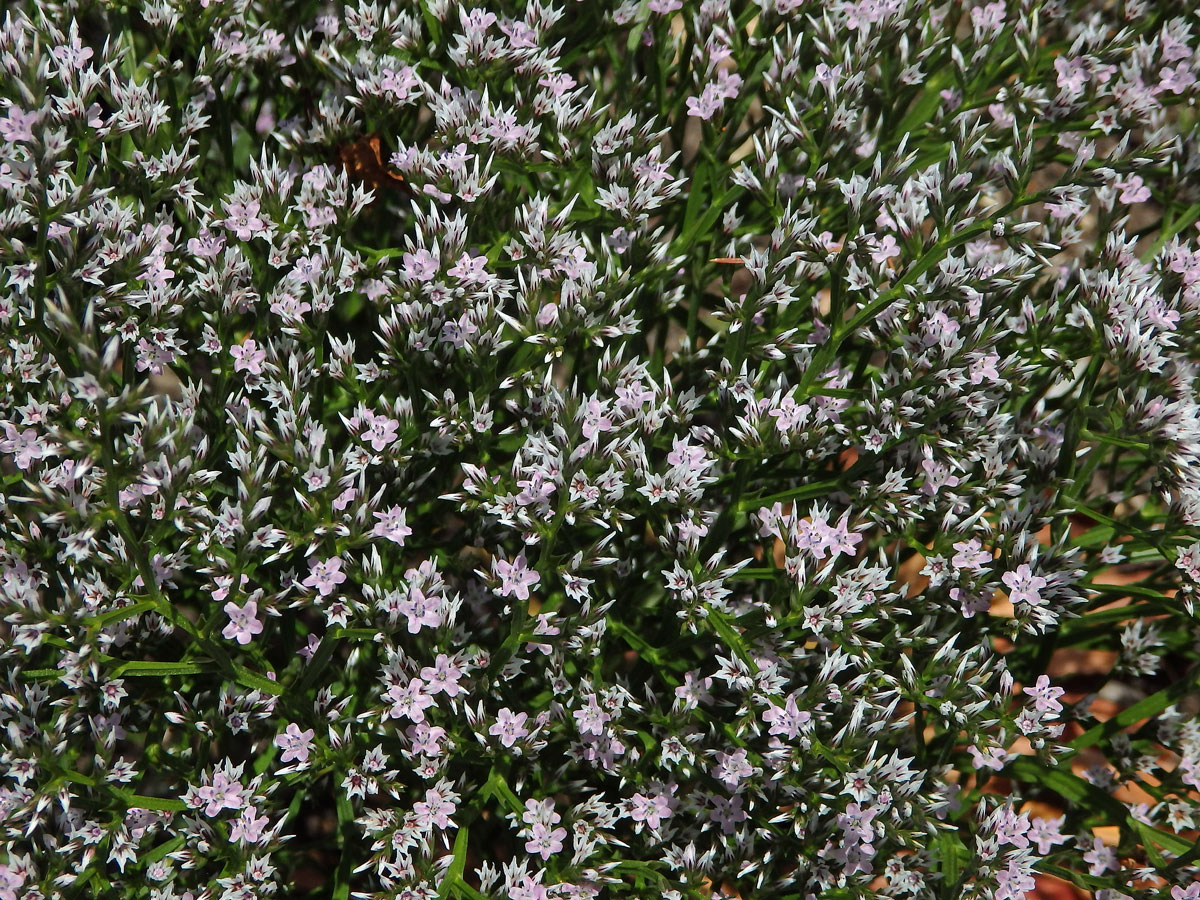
[{"x": 563, "y": 450}]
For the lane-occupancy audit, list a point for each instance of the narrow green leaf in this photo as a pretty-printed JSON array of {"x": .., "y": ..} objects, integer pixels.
[
  {"x": 759, "y": 574},
  {"x": 949, "y": 847},
  {"x": 732, "y": 639},
  {"x": 316, "y": 665},
  {"x": 249, "y": 679},
  {"x": 697, "y": 194},
  {"x": 120, "y": 615},
  {"x": 687, "y": 240},
  {"x": 163, "y": 849},
  {"x": 497, "y": 787},
  {"x": 453, "y": 878},
  {"x": 1143, "y": 709},
  {"x": 1094, "y": 799},
  {"x": 150, "y": 669},
  {"x": 141, "y": 801},
  {"x": 341, "y": 877},
  {"x": 466, "y": 890},
  {"x": 926, "y": 104}
]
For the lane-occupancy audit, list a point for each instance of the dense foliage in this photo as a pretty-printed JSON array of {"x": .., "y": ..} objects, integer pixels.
[{"x": 570, "y": 449}]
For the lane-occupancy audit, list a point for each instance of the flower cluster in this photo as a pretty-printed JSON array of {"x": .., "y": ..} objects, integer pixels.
[{"x": 567, "y": 450}]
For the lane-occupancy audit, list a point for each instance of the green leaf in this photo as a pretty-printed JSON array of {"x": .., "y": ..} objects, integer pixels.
[
  {"x": 1143, "y": 709},
  {"x": 696, "y": 194},
  {"x": 759, "y": 574},
  {"x": 926, "y": 105},
  {"x": 466, "y": 890},
  {"x": 356, "y": 634},
  {"x": 249, "y": 679},
  {"x": 1094, "y": 800},
  {"x": 496, "y": 786},
  {"x": 453, "y": 879},
  {"x": 641, "y": 18},
  {"x": 119, "y": 615},
  {"x": 163, "y": 849},
  {"x": 341, "y": 877},
  {"x": 731, "y": 638},
  {"x": 141, "y": 801},
  {"x": 1186, "y": 218},
  {"x": 1094, "y": 537},
  {"x": 951, "y": 854},
  {"x": 804, "y": 492},
  {"x": 686, "y": 241},
  {"x": 315, "y": 666},
  {"x": 150, "y": 669},
  {"x": 637, "y": 642}
]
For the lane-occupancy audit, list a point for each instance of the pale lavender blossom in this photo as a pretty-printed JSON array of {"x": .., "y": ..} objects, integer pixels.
[
  {"x": 509, "y": 726},
  {"x": 244, "y": 623},
  {"x": 295, "y": 744},
  {"x": 324, "y": 576}
]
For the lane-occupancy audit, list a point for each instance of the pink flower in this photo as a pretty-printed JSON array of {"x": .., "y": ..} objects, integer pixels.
[
  {"x": 470, "y": 269},
  {"x": 1133, "y": 190},
  {"x": 409, "y": 701},
  {"x": 727, "y": 812},
  {"x": 344, "y": 499},
  {"x": 1045, "y": 696},
  {"x": 988, "y": 757},
  {"x": 819, "y": 538},
  {"x": 309, "y": 648},
  {"x": 988, "y": 19},
  {"x": 516, "y": 578},
  {"x": 18, "y": 126},
  {"x": 591, "y": 719},
  {"x": 1046, "y": 833},
  {"x": 789, "y": 721},
  {"x": 970, "y": 603},
  {"x": 380, "y": 431},
  {"x": 443, "y": 676},
  {"x": 707, "y": 105},
  {"x": 421, "y": 265},
  {"x": 426, "y": 738},
  {"x": 732, "y": 768},
  {"x": 421, "y": 611},
  {"x": 247, "y": 828},
  {"x": 11, "y": 878},
  {"x": 248, "y": 357},
  {"x": 728, "y": 84},
  {"x": 545, "y": 842},
  {"x": 651, "y": 810},
  {"x": 1072, "y": 76},
  {"x": 295, "y": 744},
  {"x": 324, "y": 576},
  {"x": 221, "y": 794},
  {"x": 529, "y": 888},
  {"x": 243, "y": 622},
  {"x": 1024, "y": 586},
  {"x": 436, "y": 809},
  {"x": 1101, "y": 858},
  {"x": 1176, "y": 80},
  {"x": 970, "y": 557},
  {"x": 509, "y": 726},
  {"x": 594, "y": 419},
  {"x": 937, "y": 476},
  {"x": 243, "y": 220},
  {"x": 392, "y": 525},
  {"x": 885, "y": 249},
  {"x": 25, "y": 445}
]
